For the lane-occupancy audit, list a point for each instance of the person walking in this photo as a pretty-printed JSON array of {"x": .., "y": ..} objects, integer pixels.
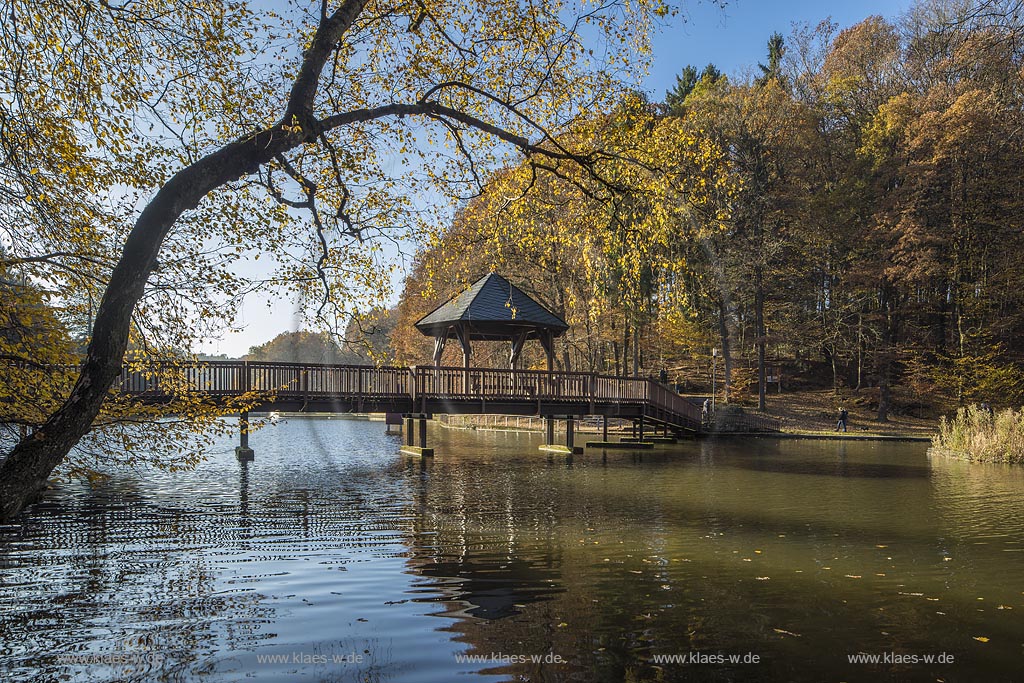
[{"x": 841, "y": 424}]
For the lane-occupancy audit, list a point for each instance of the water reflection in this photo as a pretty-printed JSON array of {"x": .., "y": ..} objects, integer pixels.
[{"x": 314, "y": 556}]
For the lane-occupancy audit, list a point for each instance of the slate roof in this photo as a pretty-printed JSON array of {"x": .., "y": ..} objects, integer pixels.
[{"x": 492, "y": 308}]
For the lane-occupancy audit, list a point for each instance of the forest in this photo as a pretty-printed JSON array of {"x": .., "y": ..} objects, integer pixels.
[{"x": 848, "y": 214}]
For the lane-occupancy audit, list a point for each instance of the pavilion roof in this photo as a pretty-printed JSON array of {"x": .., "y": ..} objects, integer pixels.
[{"x": 493, "y": 309}]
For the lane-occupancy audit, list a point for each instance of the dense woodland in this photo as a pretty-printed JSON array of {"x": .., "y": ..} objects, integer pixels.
[{"x": 850, "y": 212}]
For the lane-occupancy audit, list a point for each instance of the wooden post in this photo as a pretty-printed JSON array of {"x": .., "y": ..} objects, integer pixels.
[
  {"x": 242, "y": 451},
  {"x": 549, "y": 426},
  {"x": 410, "y": 435},
  {"x": 604, "y": 428},
  {"x": 423, "y": 432},
  {"x": 569, "y": 435},
  {"x": 640, "y": 427}
]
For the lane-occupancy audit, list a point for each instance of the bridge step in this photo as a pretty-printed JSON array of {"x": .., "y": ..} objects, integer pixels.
[
  {"x": 649, "y": 439},
  {"x": 559, "y": 448},
  {"x": 623, "y": 445}
]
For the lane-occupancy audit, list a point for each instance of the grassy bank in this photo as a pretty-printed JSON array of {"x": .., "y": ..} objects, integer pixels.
[
  {"x": 815, "y": 413},
  {"x": 975, "y": 434}
]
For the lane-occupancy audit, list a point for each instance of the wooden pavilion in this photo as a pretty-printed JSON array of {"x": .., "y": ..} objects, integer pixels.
[{"x": 492, "y": 309}]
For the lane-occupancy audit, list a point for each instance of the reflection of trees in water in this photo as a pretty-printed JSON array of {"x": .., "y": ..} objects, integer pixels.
[
  {"x": 510, "y": 551},
  {"x": 111, "y": 581},
  {"x": 121, "y": 570}
]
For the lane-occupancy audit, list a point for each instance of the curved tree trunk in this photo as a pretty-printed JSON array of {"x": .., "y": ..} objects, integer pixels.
[{"x": 24, "y": 472}]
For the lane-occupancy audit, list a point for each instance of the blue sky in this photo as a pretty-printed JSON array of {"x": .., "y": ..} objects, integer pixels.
[{"x": 736, "y": 37}]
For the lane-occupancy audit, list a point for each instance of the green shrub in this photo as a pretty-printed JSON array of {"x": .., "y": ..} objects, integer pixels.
[{"x": 975, "y": 434}]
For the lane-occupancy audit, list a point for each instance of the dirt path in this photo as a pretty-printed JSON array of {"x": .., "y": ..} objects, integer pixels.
[{"x": 817, "y": 412}]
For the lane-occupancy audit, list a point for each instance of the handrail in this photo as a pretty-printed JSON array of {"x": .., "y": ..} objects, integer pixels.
[{"x": 155, "y": 379}]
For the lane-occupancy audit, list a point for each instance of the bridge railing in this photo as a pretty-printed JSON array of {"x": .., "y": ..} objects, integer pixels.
[
  {"x": 300, "y": 379},
  {"x": 666, "y": 399},
  {"x": 489, "y": 383},
  {"x": 231, "y": 378},
  {"x": 221, "y": 378}
]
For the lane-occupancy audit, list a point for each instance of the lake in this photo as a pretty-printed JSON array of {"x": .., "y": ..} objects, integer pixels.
[{"x": 332, "y": 557}]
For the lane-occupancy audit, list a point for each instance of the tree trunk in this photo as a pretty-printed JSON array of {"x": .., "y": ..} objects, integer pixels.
[
  {"x": 636, "y": 351},
  {"x": 24, "y": 472},
  {"x": 885, "y": 361},
  {"x": 723, "y": 334},
  {"x": 760, "y": 335}
]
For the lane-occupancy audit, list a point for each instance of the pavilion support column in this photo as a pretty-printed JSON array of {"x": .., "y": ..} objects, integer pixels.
[
  {"x": 640, "y": 427},
  {"x": 570, "y": 436},
  {"x": 549, "y": 428},
  {"x": 439, "y": 348},
  {"x": 242, "y": 450},
  {"x": 604, "y": 428},
  {"x": 410, "y": 435},
  {"x": 423, "y": 432},
  {"x": 462, "y": 334},
  {"x": 518, "y": 341}
]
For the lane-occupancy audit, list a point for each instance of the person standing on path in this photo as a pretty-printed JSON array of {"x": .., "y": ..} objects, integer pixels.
[{"x": 842, "y": 419}]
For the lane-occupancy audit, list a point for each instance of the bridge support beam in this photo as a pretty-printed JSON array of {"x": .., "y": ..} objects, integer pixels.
[
  {"x": 242, "y": 450},
  {"x": 549, "y": 444},
  {"x": 416, "y": 432}
]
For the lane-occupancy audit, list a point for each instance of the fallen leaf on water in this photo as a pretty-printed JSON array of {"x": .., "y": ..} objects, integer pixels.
[
  {"x": 853, "y": 576},
  {"x": 562, "y": 625},
  {"x": 758, "y": 551},
  {"x": 788, "y": 633},
  {"x": 763, "y": 578},
  {"x": 981, "y": 639},
  {"x": 747, "y": 559},
  {"x": 1004, "y": 607},
  {"x": 881, "y": 546}
]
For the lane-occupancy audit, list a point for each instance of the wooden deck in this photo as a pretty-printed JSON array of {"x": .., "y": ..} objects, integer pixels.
[{"x": 421, "y": 390}]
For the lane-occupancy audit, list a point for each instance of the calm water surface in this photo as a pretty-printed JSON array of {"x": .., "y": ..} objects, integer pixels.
[{"x": 334, "y": 558}]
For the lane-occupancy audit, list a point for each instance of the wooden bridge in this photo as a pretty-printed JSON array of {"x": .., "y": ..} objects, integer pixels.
[{"x": 418, "y": 392}]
